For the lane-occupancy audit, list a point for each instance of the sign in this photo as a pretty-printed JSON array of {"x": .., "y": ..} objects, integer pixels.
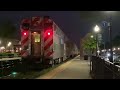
[
  {"x": 104, "y": 23},
  {"x": 99, "y": 38}
]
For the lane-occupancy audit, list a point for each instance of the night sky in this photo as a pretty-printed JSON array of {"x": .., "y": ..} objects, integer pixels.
[{"x": 75, "y": 24}]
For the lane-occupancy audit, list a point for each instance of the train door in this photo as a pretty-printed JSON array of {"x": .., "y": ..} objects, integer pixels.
[{"x": 36, "y": 44}]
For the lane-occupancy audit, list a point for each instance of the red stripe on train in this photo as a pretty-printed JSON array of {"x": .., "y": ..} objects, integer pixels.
[
  {"x": 22, "y": 52},
  {"x": 25, "y": 40},
  {"x": 49, "y": 53},
  {"x": 48, "y": 45},
  {"x": 46, "y": 38}
]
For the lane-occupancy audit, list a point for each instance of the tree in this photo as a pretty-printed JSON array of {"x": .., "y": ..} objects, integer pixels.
[
  {"x": 7, "y": 29},
  {"x": 88, "y": 43}
]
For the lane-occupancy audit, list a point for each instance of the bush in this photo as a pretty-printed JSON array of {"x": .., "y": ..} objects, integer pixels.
[
  {"x": 5, "y": 55},
  {"x": 10, "y": 55}
]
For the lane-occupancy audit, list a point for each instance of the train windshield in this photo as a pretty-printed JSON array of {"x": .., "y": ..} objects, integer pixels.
[
  {"x": 25, "y": 25},
  {"x": 48, "y": 25}
]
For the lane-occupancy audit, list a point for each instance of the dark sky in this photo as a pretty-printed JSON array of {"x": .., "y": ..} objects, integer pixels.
[{"x": 75, "y": 24}]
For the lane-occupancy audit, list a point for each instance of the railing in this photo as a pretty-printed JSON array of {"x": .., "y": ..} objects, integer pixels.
[{"x": 101, "y": 69}]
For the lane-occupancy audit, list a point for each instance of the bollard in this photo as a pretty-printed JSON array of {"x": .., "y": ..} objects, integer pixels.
[
  {"x": 93, "y": 66},
  {"x": 99, "y": 68}
]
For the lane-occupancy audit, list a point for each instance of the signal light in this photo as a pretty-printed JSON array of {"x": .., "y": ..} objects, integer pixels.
[
  {"x": 24, "y": 33},
  {"x": 48, "y": 33}
]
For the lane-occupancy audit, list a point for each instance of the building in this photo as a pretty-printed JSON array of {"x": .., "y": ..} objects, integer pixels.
[{"x": 9, "y": 45}]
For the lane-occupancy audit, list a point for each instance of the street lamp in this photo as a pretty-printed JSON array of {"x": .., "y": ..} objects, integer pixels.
[
  {"x": 9, "y": 44},
  {"x": 118, "y": 48},
  {"x": 2, "y": 48},
  {"x": 91, "y": 36},
  {"x": 96, "y": 30},
  {"x": 0, "y": 44}
]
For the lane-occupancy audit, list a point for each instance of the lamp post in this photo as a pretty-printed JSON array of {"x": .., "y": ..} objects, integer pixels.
[
  {"x": 96, "y": 30},
  {"x": 0, "y": 45},
  {"x": 91, "y": 52},
  {"x": 9, "y": 44},
  {"x": 110, "y": 33},
  {"x": 110, "y": 38}
]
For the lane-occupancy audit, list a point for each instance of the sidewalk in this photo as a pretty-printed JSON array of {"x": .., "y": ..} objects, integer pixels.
[{"x": 74, "y": 69}]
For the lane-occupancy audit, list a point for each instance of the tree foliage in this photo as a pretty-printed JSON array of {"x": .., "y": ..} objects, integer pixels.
[
  {"x": 7, "y": 29},
  {"x": 88, "y": 43}
]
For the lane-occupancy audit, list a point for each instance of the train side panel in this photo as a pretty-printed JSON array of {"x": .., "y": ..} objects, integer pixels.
[{"x": 58, "y": 43}]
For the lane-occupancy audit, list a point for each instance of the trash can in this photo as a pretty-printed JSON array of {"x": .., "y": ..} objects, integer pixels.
[{"x": 85, "y": 57}]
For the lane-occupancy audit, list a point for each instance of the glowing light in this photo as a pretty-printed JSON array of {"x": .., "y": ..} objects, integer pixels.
[
  {"x": 35, "y": 32},
  {"x": 48, "y": 33},
  {"x": 25, "y": 33},
  {"x": 114, "y": 49},
  {"x": 2, "y": 47},
  {"x": 91, "y": 36},
  {"x": 14, "y": 73},
  {"x": 20, "y": 48},
  {"x": 103, "y": 50},
  {"x": 108, "y": 54},
  {"x": 96, "y": 29},
  {"x": 9, "y": 44},
  {"x": 98, "y": 51}
]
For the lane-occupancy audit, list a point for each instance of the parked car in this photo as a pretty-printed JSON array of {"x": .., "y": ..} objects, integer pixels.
[{"x": 117, "y": 60}]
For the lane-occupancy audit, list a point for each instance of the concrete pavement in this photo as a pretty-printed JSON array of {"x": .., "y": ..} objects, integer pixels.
[
  {"x": 74, "y": 69},
  {"x": 6, "y": 59}
]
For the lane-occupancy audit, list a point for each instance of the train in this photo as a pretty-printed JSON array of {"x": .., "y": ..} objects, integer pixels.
[
  {"x": 43, "y": 44},
  {"x": 42, "y": 41}
]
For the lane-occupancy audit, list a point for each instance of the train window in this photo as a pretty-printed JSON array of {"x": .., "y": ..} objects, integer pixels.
[
  {"x": 37, "y": 37},
  {"x": 46, "y": 25},
  {"x": 25, "y": 25},
  {"x": 58, "y": 31},
  {"x": 62, "y": 41}
]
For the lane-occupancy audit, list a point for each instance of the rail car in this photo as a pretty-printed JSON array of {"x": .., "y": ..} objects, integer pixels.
[{"x": 42, "y": 41}]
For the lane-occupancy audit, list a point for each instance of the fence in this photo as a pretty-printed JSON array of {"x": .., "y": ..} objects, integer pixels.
[{"x": 101, "y": 69}]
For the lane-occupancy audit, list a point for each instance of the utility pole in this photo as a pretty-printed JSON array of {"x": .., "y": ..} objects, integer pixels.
[{"x": 110, "y": 38}]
